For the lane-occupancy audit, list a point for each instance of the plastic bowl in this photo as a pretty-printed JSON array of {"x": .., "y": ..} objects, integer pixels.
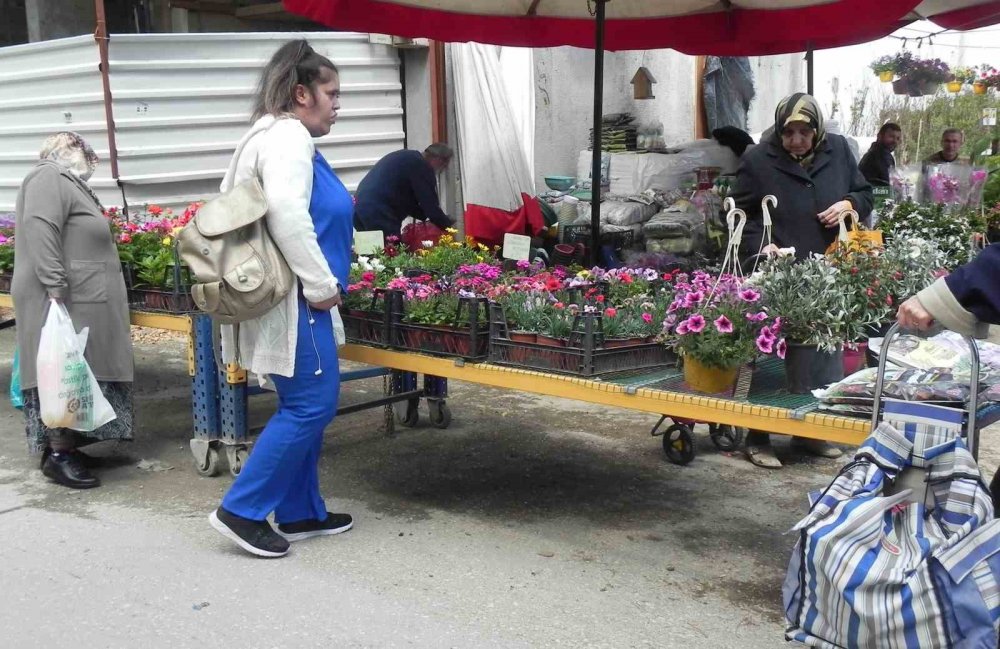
[{"x": 559, "y": 183}]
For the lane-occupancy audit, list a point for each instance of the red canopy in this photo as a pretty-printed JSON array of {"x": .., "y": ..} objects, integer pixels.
[
  {"x": 683, "y": 25},
  {"x": 978, "y": 15}
]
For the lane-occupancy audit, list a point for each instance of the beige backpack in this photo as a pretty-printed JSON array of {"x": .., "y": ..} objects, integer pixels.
[{"x": 240, "y": 273}]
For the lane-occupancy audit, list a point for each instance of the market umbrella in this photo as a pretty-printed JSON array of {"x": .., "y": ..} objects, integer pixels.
[{"x": 717, "y": 27}]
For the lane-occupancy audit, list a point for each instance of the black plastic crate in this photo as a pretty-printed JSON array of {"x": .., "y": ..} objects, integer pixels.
[
  {"x": 175, "y": 299},
  {"x": 586, "y": 352},
  {"x": 369, "y": 326},
  {"x": 5, "y": 282},
  {"x": 467, "y": 337},
  {"x": 582, "y": 234}
]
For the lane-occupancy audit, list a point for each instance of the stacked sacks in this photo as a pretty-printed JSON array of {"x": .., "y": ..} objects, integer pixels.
[{"x": 678, "y": 230}]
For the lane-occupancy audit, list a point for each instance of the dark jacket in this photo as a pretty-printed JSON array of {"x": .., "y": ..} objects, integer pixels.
[
  {"x": 401, "y": 184},
  {"x": 876, "y": 165},
  {"x": 802, "y": 195}
]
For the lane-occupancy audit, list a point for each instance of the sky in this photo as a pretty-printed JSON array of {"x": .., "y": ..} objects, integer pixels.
[{"x": 846, "y": 68}]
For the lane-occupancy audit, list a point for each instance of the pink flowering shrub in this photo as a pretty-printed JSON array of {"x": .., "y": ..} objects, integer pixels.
[{"x": 720, "y": 323}]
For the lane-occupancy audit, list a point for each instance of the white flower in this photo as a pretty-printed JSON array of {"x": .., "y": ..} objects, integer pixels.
[
  {"x": 427, "y": 244},
  {"x": 786, "y": 252}
]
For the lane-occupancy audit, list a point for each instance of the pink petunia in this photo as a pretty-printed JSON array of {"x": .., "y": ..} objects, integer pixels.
[
  {"x": 749, "y": 295},
  {"x": 765, "y": 345},
  {"x": 693, "y": 299},
  {"x": 682, "y": 328},
  {"x": 781, "y": 348},
  {"x": 766, "y": 332},
  {"x": 696, "y": 323},
  {"x": 724, "y": 325},
  {"x": 760, "y": 316}
]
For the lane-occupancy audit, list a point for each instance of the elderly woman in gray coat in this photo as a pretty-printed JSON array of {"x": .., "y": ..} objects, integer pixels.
[
  {"x": 64, "y": 250},
  {"x": 815, "y": 178}
]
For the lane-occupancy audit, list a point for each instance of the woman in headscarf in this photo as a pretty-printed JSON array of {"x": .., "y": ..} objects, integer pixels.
[
  {"x": 815, "y": 178},
  {"x": 64, "y": 250}
]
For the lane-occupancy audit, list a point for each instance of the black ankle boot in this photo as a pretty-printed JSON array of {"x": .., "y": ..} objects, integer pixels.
[{"x": 66, "y": 469}]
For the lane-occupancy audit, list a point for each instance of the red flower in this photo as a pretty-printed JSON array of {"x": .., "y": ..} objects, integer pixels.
[
  {"x": 888, "y": 300},
  {"x": 368, "y": 276},
  {"x": 559, "y": 305},
  {"x": 600, "y": 298},
  {"x": 610, "y": 312},
  {"x": 854, "y": 270},
  {"x": 155, "y": 210},
  {"x": 552, "y": 284},
  {"x": 869, "y": 292}
]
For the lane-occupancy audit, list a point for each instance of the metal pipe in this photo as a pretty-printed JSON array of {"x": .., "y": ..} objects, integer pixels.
[
  {"x": 810, "y": 72},
  {"x": 595, "y": 172},
  {"x": 101, "y": 36}
]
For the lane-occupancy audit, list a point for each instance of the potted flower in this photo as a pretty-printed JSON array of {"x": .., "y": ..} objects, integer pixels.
[
  {"x": 923, "y": 76},
  {"x": 987, "y": 77},
  {"x": 868, "y": 299},
  {"x": 716, "y": 327},
  {"x": 884, "y": 68},
  {"x": 951, "y": 228},
  {"x": 807, "y": 299},
  {"x": 902, "y": 63},
  {"x": 961, "y": 76},
  {"x": 6, "y": 259}
]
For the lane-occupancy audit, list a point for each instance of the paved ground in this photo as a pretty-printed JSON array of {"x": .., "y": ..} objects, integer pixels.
[{"x": 531, "y": 522}]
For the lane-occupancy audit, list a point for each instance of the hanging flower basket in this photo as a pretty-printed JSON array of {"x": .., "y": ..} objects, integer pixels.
[
  {"x": 979, "y": 88},
  {"x": 954, "y": 86},
  {"x": 921, "y": 88},
  {"x": 901, "y": 87},
  {"x": 887, "y": 76}
]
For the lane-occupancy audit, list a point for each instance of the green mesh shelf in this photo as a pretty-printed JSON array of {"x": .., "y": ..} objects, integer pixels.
[{"x": 766, "y": 389}]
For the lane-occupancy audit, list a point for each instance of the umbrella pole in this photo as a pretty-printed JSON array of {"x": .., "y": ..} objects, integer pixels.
[{"x": 595, "y": 174}]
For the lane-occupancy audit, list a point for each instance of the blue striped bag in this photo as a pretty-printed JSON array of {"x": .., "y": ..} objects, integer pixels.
[{"x": 873, "y": 569}]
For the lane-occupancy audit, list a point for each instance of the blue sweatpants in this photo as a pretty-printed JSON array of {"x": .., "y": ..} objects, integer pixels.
[{"x": 282, "y": 472}]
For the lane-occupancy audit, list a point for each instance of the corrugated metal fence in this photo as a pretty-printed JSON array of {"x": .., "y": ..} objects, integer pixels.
[{"x": 181, "y": 102}]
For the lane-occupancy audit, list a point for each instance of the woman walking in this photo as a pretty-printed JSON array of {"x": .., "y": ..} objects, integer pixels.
[
  {"x": 64, "y": 251},
  {"x": 295, "y": 344}
]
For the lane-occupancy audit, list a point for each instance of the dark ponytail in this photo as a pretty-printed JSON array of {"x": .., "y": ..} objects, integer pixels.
[{"x": 295, "y": 63}]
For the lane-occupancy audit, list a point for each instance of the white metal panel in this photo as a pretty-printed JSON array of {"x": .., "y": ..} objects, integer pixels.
[
  {"x": 182, "y": 101},
  {"x": 45, "y": 88}
]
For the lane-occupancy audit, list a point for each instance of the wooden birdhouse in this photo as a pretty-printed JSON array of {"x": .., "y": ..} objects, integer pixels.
[{"x": 642, "y": 84}]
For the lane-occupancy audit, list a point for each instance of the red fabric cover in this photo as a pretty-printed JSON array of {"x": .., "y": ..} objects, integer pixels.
[
  {"x": 414, "y": 234},
  {"x": 739, "y": 32},
  {"x": 982, "y": 15},
  {"x": 488, "y": 224}
]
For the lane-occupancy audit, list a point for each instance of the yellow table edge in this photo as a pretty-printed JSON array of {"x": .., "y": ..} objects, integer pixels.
[
  {"x": 844, "y": 430},
  {"x": 165, "y": 321}
]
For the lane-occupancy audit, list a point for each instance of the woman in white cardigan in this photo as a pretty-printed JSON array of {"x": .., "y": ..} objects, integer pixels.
[{"x": 295, "y": 344}]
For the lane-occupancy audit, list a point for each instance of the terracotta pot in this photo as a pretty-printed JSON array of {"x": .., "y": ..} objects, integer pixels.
[
  {"x": 855, "y": 359},
  {"x": 710, "y": 380},
  {"x": 954, "y": 86},
  {"x": 979, "y": 88},
  {"x": 610, "y": 343},
  {"x": 886, "y": 77},
  {"x": 542, "y": 339},
  {"x": 522, "y": 336}
]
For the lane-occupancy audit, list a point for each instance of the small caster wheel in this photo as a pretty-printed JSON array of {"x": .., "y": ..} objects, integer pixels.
[
  {"x": 725, "y": 437},
  {"x": 237, "y": 459},
  {"x": 411, "y": 415},
  {"x": 678, "y": 444},
  {"x": 210, "y": 466},
  {"x": 440, "y": 414}
]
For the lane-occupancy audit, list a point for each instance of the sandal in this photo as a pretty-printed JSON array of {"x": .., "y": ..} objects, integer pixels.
[{"x": 762, "y": 455}]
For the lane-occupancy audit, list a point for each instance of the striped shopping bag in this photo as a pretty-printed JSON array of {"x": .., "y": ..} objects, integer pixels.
[{"x": 874, "y": 569}]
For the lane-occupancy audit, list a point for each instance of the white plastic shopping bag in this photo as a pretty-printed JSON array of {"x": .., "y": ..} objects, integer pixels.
[{"x": 68, "y": 393}]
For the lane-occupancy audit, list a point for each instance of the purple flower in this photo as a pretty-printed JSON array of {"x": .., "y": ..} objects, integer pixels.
[
  {"x": 682, "y": 328},
  {"x": 693, "y": 299},
  {"x": 523, "y": 264},
  {"x": 782, "y": 348},
  {"x": 696, "y": 323},
  {"x": 760, "y": 316},
  {"x": 669, "y": 321},
  {"x": 724, "y": 325},
  {"x": 765, "y": 345},
  {"x": 767, "y": 333},
  {"x": 749, "y": 295}
]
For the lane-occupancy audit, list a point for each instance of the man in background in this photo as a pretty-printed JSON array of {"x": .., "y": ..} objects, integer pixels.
[
  {"x": 876, "y": 165},
  {"x": 951, "y": 144},
  {"x": 402, "y": 184}
]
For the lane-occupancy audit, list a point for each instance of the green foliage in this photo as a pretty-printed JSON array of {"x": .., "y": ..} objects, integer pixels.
[
  {"x": 950, "y": 227},
  {"x": 923, "y": 121},
  {"x": 809, "y": 298}
]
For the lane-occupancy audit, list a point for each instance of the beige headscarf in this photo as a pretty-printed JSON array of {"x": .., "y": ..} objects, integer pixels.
[{"x": 70, "y": 151}]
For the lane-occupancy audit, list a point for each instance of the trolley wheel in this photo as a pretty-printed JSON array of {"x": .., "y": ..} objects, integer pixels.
[
  {"x": 411, "y": 415},
  {"x": 440, "y": 413},
  {"x": 725, "y": 437},
  {"x": 237, "y": 460},
  {"x": 678, "y": 444},
  {"x": 210, "y": 466}
]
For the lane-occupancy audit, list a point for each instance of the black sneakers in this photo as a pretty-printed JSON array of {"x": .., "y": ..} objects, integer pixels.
[
  {"x": 334, "y": 524},
  {"x": 67, "y": 469},
  {"x": 256, "y": 537}
]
